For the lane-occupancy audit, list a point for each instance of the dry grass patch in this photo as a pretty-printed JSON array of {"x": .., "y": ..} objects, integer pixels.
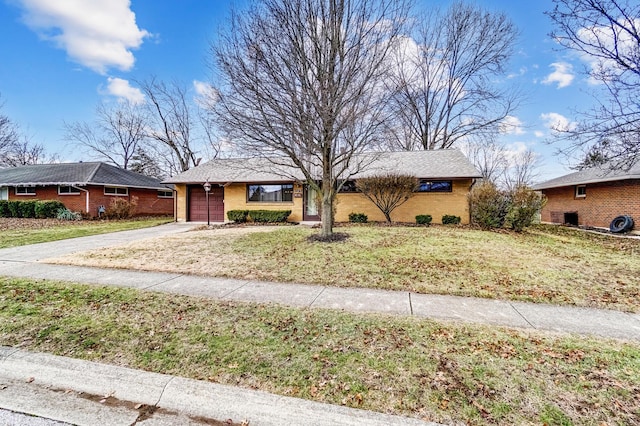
[
  {"x": 18, "y": 231},
  {"x": 444, "y": 372},
  {"x": 546, "y": 264}
]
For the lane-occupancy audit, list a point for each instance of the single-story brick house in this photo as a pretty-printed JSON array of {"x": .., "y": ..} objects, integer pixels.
[
  {"x": 85, "y": 187},
  {"x": 445, "y": 177},
  {"x": 592, "y": 197}
]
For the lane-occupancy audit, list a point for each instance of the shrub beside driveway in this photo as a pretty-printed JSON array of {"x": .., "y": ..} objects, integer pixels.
[{"x": 544, "y": 265}]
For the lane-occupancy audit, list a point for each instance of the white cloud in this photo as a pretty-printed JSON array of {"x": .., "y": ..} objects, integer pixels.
[
  {"x": 562, "y": 74},
  {"x": 97, "y": 34},
  {"x": 511, "y": 126},
  {"x": 538, "y": 134},
  {"x": 557, "y": 122},
  {"x": 522, "y": 71},
  {"x": 124, "y": 92},
  {"x": 605, "y": 36}
]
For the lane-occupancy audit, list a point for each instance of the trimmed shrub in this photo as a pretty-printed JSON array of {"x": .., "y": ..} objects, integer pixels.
[
  {"x": 488, "y": 206},
  {"x": 28, "y": 209},
  {"x": 423, "y": 219},
  {"x": 238, "y": 216},
  {"x": 358, "y": 218},
  {"x": 525, "y": 205},
  {"x": 14, "y": 208},
  {"x": 269, "y": 216},
  {"x": 66, "y": 214},
  {"x": 48, "y": 208},
  {"x": 121, "y": 208},
  {"x": 4, "y": 208},
  {"x": 449, "y": 219}
]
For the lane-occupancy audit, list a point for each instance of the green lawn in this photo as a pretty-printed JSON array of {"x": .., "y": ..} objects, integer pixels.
[
  {"x": 543, "y": 265},
  {"x": 437, "y": 371},
  {"x": 18, "y": 232}
]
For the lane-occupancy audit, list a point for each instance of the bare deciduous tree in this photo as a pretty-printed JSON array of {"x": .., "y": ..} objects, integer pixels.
[
  {"x": 303, "y": 79},
  {"x": 388, "y": 191},
  {"x": 488, "y": 156},
  {"x": 443, "y": 83},
  {"x": 116, "y": 135},
  {"x": 171, "y": 125},
  {"x": 16, "y": 149},
  {"x": 9, "y": 135},
  {"x": 606, "y": 33},
  {"x": 521, "y": 171}
]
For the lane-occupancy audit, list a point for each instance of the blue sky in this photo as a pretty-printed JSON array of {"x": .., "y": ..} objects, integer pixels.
[{"x": 60, "y": 59}]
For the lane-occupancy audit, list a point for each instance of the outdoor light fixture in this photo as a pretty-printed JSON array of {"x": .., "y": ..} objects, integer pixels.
[{"x": 207, "y": 188}]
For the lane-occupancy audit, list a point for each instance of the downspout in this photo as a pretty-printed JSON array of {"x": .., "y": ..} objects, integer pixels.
[
  {"x": 87, "y": 197},
  {"x": 175, "y": 205}
]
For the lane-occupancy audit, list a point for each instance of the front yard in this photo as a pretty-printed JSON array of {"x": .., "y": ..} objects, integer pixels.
[
  {"x": 543, "y": 265},
  {"x": 18, "y": 232},
  {"x": 437, "y": 371}
]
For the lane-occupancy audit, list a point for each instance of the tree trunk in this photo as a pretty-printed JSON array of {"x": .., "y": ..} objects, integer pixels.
[
  {"x": 327, "y": 216},
  {"x": 387, "y": 215}
]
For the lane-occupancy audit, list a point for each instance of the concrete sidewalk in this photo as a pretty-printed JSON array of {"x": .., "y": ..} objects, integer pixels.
[{"x": 38, "y": 383}]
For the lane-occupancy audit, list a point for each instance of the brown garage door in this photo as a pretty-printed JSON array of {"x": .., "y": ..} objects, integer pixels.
[{"x": 198, "y": 204}]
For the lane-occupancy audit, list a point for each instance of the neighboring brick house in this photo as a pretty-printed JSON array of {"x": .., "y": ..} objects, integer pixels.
[
  {"x": 445, "y": 177},
  {"x": 85, "y": 187},
  {"x": 592, "y": 197}
]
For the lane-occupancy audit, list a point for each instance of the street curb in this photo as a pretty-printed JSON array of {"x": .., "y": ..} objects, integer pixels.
[{"x": 193, "y": 398}]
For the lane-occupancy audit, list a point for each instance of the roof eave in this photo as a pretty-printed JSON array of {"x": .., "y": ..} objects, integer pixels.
[{"x": 585, "y": 182}]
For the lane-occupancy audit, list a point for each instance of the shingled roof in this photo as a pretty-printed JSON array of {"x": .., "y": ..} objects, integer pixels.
[
  {"x": 437, "y": 164},
  {"x": 76, "y": 174},
  {"x": 592, "y": 175}
]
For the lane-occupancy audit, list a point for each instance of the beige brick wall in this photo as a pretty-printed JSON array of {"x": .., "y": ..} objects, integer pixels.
[
  {"x": 181, "y": 204},
  {"x": 437, "y": 204},
  {"x": 235, "y": 198}
]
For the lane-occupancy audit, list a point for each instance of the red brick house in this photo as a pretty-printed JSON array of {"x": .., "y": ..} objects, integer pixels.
[
  {"x": 592, "y": 197},
  {"x": 86, "y": 187}
]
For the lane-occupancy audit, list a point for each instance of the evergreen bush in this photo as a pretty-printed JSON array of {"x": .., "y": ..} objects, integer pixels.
[
  {"x": 449, "y": 219},
  {"x": 423, "y": 219},
  {"x": 269, "y": 216},
  {"x": 48, "y": 208},
  {"x": 238, "y": 216},
  {"x": 358, "y": 218}
]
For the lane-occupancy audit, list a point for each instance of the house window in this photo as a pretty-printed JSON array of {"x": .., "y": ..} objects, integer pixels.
[
  {"x": 270, "y": 193},
  {"x": 426, "y": 185},
  {"x": 581, "y": 191},
  {"x": 68, "y": 190},
  {"x": 115, "y": 190},
  {"x": 25, "y": 190},
  {"x": 165, "y": 194},
  {"x": 349, "y": 186}
]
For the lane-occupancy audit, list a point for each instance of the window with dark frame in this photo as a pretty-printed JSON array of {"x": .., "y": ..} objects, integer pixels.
[
  {"x": 426, "y": 185},
  {"x": 349, "y": 186},
  {"x": 165, "y": 194},
  {"x": 25, "y": 190},
  {"x": 581, "y": 191},
  {"x": 270, "y": 193},
  {"x": 116, "y": 190},
  {"x": 68, "y": 190}
]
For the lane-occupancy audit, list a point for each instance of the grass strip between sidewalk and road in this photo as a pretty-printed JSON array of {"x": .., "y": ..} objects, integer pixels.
[
  {"x": 546, "y": 264},
  {"x": 437, "y": 371},
  {"x": 19, "y": 232}
]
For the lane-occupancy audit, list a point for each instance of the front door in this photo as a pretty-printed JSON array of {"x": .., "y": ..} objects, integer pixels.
[
  {"x": 4, "y": 193},
  {"x": 311, "y": 204}
]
